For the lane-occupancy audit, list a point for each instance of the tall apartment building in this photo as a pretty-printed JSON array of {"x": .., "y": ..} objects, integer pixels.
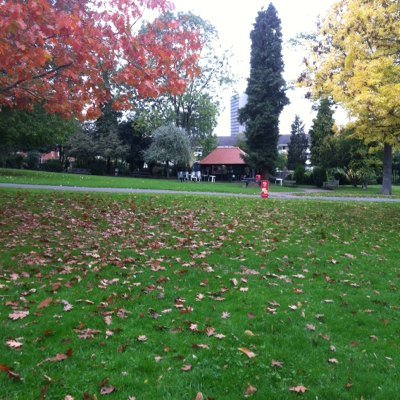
[{"x": 237, "y": 101}]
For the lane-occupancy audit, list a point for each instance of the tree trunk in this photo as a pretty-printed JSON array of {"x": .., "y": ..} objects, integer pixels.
[
  {"x": 167, "y": 169},
  {"x": 387, "y": 170}
]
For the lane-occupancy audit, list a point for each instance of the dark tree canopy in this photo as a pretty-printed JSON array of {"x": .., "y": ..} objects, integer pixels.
[
  {"x": 265, "y": 90},
  {"x": 297, "y": 153}
]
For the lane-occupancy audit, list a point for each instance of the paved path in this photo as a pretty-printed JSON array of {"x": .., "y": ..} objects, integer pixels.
[{"x": 276, "y": 195}]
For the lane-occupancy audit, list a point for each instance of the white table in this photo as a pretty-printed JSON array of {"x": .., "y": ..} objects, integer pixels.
[
  {"x": 280, "y": 180},
  {"x": 211, "y": 178}
]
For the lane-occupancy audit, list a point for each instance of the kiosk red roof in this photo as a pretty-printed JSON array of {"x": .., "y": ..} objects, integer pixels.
[{"x": 225, "y": 156}]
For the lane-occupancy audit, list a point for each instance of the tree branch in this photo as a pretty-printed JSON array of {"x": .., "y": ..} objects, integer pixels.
[{"x": 39, "y": 76}]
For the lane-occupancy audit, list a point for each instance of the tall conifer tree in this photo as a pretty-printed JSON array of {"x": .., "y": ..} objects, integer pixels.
[
  {"x": 297, "y": 153},
  {"x": 266, "y": 92},
  {"x": 322, "y": 128}
]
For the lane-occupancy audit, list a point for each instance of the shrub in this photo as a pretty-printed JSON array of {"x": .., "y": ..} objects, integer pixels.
[
  {"x": 32, "y": 160},
  {"x": 158, "y": 171},
  {"x": 319, "y": 176},
  {"x": 299, "y": 175},
  {"x": 98, "y": 167},
  {"x": 52, "y": 166}
]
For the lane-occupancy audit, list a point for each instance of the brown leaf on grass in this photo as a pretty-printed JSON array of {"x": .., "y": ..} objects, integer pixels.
[
  {"x": 45, "y": 303},
  {"x": 86, "y": 333},
  {"x": 250, "y": 390},
  {"x": 122, "y": 313},
  {"x": 210, "y": 331},
  {"x": 199, "y": 297},
  {"x": 142, "y": 338},
  {"x": 277, "y": 364},
  {"x": 104, "y": 391},
  {"x": 66, "y": 306},
  {"x": 247, "y": 271},
  {"x": 234, "y": 281},
  {"x": 199, "y": 396},
  {"x": 225, "y": 315},
  {"x": 219, "y": 336},
  {"x": 298, "y": 389},
  {"x": 14, "y": 344},
  {"x": 57, "y": 358},
  {"x": 200, "y": 346},
  {"x": 373, "y": 338},
  {"x": 247, "y": 352},
  {"x": 350, "y": 256},
  {"x": 310, "y": 327},
  {"x": 186, "y": 368},
  {"x": 18, "y": 315},
  {"x": 11, "y": 374},
  {"x": 68, "y": 397},
  {"x": 333, "y": 361},
  {"x": 186, "y": 310},
  {"x": 107, "y": 319}
]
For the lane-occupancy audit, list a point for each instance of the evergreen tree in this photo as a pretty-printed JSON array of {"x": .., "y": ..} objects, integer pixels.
[
  {"x": 266, "y": 92},
  {"x": 322, "y": 128},
  {"x": 297, "y": 153}
]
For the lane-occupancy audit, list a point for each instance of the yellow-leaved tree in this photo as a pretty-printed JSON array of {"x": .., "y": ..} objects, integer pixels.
[{"x": 355, "y": 59}]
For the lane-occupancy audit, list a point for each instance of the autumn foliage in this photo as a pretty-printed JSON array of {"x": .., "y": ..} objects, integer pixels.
[{"x": 68, "y": 54}]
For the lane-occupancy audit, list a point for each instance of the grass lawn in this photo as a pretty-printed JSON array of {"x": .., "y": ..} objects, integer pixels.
[
  {"x": 59, "y": 179},
  {"x": 159, "y": 297},
  {"x": 350, "y": 191}
]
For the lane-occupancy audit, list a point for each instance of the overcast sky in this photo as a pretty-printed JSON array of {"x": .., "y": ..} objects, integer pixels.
[{"x": 234, "y": 21}]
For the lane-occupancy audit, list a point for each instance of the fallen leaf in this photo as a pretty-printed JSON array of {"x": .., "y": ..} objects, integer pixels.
[
  {"x": 247, "y": 352},
  {"x": 14, "y": 344},
  {"x": 225, "y": 315},
  {"x": 199, "y": 396},
  {"x": 11, "y": 374},
  {"x": 186, "y": 368},
  {"x": 250, "y": 391},
  {"x": 201, "y": 346},
  {"x": 332, "y": 348},
  {"x": 277, "y": 364},
  {"x": 210, "y": 331},
  {"x": 249, "y": 333},
  {"x": 107, "y": 390},
  {"x": 219, "y": 336},
  {"x": 57, "y": 358},
  {"x": 68, "y": 397},
  {"x": 298, "y": 389},
  {"x": 333, "y": 361},
  {"x": 350, "y": 256},
  {"x": 142, "y": 338},
  {"x": 234, "y": 281},
  {"x": 66, "y": 306},
  {"x": 45, "y": 303},
  {"x": 310, "y": 327},
  {"x": 373, "y": 338},
  {"x": 18, "y": 315}
]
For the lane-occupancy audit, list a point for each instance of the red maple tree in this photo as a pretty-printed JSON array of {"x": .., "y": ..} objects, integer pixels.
[{"x": 68, "y": 54}]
